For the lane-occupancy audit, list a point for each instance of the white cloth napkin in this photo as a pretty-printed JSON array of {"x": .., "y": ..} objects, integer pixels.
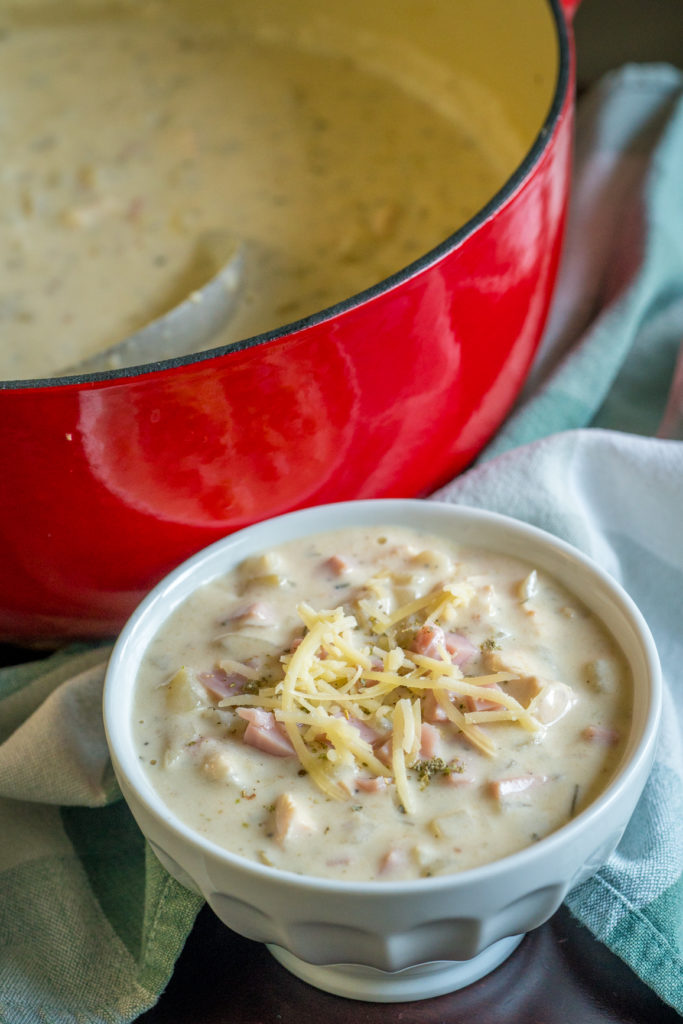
[{"x": 611, "y": 370}]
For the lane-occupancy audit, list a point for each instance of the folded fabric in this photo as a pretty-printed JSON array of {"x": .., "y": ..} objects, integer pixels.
[
  {"x": 609, "y": 351},
  {"x": 613, "y": 357},
  {"x": 91, "y": 925},
  {"x": 619, "y": 497}
]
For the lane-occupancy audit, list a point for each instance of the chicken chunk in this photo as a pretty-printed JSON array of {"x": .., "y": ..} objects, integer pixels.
[{"x": 290, "y": 819}]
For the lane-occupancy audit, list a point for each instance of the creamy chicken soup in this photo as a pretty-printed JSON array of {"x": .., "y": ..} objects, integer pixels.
[
  {"x": 141, "y": 147},
  {"x": 380, "y": 704}
]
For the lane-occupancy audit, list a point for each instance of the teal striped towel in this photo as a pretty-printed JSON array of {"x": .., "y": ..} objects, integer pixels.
[
  {"x": 594, "y": 454},
  {"x": 91, "y": 925}
]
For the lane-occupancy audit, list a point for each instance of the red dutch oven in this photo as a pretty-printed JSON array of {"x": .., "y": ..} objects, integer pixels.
[{"x": 111, "y": 479}]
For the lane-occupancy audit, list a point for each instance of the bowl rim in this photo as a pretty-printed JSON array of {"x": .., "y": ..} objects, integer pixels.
[
  {"x": 512, "y": 183},
  {"x": 191, "y": 573}
]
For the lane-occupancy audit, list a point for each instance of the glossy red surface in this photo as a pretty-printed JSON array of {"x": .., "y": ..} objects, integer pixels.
[{"x": 111, "y": 481}]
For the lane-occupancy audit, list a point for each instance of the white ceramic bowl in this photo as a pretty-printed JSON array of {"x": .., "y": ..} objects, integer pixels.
[{"x": 388, "y": 941}]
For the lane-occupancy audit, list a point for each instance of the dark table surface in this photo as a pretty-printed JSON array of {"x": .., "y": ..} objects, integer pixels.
[{"x": 558, "y": 974}]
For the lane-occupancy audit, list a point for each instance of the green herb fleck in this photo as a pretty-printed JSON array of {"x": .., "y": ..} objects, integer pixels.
[
  {"x": 434, "y": 766},
  {"x": 575, "y": 800}
]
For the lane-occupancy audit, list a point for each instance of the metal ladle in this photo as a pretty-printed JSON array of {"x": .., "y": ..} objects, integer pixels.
[{"x": 187, "y": 327}]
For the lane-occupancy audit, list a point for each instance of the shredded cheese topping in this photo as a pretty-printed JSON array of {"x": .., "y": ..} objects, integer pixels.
[{"x": 342, "y": 681}]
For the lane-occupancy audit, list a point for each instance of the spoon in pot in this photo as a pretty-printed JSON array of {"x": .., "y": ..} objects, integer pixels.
[{"x": 187, "y": 327}]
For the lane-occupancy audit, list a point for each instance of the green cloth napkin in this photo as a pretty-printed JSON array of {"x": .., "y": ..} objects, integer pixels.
[{"x": 91, "y": 925}]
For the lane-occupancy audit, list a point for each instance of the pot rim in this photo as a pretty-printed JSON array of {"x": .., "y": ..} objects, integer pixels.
[{"x": 411, "y": 270}]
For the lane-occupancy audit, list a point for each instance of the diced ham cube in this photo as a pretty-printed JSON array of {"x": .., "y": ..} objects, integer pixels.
[
  {"x": 601, "y": 734},
  {"x": 367, "y": 732},
  {"x": 432, "y": 710},
  {"x": 510, "y": 789},
  {"x": 460, "y": 648},
  {"x": 430, "y": 738},
  {"x": 375, "y": 784},
  {"x": 220, "y": 683},
  {"x": 429, "y": 640},
  {"x": 257, "y": 613},
  {"x": 338, "y": 565},
  {"x": 264, "y": 733},
  {"x": 481, "y": 703},
  {"x": 384, "y": 752}
]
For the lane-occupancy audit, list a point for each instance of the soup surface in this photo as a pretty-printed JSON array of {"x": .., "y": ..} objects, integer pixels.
[
  {"x": 140, "y": 149},
  {"x": 380, "y": 704}
]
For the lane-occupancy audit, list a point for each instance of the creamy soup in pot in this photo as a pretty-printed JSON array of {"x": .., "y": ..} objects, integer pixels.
[
  {"x": 140, "y": 147},
  {"x": 380, "y": 704}
]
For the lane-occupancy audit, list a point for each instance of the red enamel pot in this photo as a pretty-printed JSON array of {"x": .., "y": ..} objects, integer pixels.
[{"x": 112, "y": 478}]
